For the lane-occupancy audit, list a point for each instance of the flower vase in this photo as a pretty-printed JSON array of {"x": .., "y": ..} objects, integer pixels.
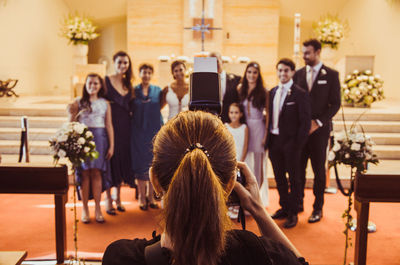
[
  {"x": 81, "y": 53},
  {"x": 328, "y": 56}
]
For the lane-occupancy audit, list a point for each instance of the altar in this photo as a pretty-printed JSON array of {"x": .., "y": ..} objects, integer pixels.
[{"x": 164, "y": 76}]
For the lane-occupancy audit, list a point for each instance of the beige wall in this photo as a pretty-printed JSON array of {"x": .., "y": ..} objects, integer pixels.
[
  {"x": 156, "y": 28},
  {"x": 32, "y": 49},
  {"x": 253, "y": 27},
  {"x": 113, "y": 38},
  {"x": 373, "y": 30}
]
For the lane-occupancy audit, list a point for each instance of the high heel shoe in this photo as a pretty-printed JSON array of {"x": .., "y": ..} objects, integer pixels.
[
  {"x": 109, "y": 208},
  {"x": 85, "y": 216},
  {"x": 152, "y": 205},
  {"x": 121, "y": 208},
  {"x": 99, "y": 217},
  {"x": 143, "y": 207}
]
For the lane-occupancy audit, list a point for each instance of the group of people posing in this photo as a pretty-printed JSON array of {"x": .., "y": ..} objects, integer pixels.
[{"x": 292, "y": 121}]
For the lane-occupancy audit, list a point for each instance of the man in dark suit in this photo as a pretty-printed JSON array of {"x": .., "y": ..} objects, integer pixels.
[
  {"x": 288, "y": 126},
  {"x": 323, "y": 85},
  {"x": 229, "y": 83}
]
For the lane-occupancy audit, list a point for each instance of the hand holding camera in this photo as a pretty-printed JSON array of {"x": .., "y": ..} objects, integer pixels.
[{"x": 249, "y": 193}]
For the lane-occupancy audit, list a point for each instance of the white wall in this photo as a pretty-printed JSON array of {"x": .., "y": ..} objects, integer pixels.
[{"x": 32, "y": 49}]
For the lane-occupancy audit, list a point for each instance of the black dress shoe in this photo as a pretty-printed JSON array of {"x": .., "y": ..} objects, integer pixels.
[
  {"x": 290, "y": 222},
  {"x": 121, "y": 208},
  {"x": 280, "y": 214},
  {"x": 153, "y": 205},
  {"x": 143, "y": 207},
  {"x": 111, "y": 211},
  {"x": 315, "y": 216}
]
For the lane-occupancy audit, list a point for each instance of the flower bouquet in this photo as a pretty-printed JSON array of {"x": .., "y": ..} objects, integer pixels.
[
  {"x": 352, "y": 148},
  {"x": 329, "y": 31},
  {"x": 75, "y": 142},
  {"x": 362, "y": 88},
  {"x": 78, "y": 30}
]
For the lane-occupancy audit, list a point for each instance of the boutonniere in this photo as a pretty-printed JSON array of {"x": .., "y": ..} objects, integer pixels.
[
  {"x": 323, "y": 72},
  {"x": 289, "y": 92}
]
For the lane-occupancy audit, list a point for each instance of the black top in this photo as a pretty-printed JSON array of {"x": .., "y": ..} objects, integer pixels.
[{"x": 243, "y": 247}]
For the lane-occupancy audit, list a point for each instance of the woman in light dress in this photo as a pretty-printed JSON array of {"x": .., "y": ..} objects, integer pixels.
[
  {"x": 254, "y": 97},
  {"x": 176, "y": 94}
]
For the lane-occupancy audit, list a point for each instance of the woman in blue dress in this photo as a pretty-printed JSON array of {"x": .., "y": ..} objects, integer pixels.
[{"x": 146, "y": 122}]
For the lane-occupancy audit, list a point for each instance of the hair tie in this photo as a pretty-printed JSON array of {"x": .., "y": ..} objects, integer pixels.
[{"x": 198, "y": 146}]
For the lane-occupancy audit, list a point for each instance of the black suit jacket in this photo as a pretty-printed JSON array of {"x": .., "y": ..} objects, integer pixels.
[
  {"x": 294, "y": 118},
  {"x": 231, "y": 95},
  {"x": 325, "y": 94}
]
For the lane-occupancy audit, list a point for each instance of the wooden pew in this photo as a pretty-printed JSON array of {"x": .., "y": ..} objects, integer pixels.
[
  {"x": 371, "y": 188},
  {"x": 12, "y": 257},
  {"x": 40, "y": 179}
]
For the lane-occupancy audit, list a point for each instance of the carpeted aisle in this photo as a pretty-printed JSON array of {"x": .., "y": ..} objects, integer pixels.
[{"x": 27, "y": 223}]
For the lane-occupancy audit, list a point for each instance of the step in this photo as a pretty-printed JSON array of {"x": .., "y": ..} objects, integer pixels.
[
  {"x": 35, "y": 147},
  {"x": 42, "y": 110},
  {"x": 384, "y": 138},
  {"x": 33, "y": 122},
  {"x": 387, "y": 151},
  {"x": 371, "y": 126},
  {"x": 352, "y": 114},
  {"x": 34, "y": 134}
]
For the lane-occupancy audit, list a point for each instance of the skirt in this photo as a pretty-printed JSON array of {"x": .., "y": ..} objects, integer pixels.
[{"x": 100, "y": 138}]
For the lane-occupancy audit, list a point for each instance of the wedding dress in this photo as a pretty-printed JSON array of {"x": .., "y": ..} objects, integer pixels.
[{"x": 175, "y": 106}]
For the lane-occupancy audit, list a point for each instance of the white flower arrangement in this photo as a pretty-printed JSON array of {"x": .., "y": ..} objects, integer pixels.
[
  {"x": 352, "y": 148},
  {"x": 78, "y": 30},
  {"x": 75, "y": 142},
  {"x": 330, "y": 31},
  {"x": 362, "y": 88}
]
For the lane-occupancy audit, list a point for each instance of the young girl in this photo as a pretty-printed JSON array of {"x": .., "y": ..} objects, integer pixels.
[
  {"x": 238, "y": 129},
  {"x": 95, "y": 112},
  {"x": 240, "y": 133}
]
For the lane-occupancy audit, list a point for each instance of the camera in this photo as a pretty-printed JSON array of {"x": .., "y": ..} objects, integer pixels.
[
  {"x": 233, "y": 199},
  {"x": 205, "y": 95},
  {"x": 205, "y": 91}
]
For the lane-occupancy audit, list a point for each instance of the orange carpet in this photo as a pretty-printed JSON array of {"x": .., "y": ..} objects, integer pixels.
[{"x": 27, "y": 223}]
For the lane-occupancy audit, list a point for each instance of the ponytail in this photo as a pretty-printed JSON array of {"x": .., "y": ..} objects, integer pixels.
[
  {"x": 194, "y": 161},
  {"x": 195, "y": 212}
]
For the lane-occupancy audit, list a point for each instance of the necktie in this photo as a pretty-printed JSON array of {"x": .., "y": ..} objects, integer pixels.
[
  {"x": 277, "y": 104},
  {"x": 310, "y": 72}
]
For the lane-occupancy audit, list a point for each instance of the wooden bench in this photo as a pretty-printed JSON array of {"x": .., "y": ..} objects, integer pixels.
[
  {"x": 40, "y": 179},
  {"x": 371, "y": 188}
]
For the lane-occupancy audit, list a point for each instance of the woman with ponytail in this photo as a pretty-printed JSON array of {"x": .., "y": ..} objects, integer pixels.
[{"x": 194, "y": 168}]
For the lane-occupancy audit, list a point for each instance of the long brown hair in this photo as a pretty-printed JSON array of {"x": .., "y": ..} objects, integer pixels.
[
  {"x": 85, "y": 100},
  {"x": 128, "y": 77},
  {"x": 197, "y": 185},
  {"x": 259, "y": 94}
]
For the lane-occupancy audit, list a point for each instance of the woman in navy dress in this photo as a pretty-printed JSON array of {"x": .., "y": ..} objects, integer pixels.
[
  {"x": 146, "y": 122},
  {"x": 120, "y": 93}
]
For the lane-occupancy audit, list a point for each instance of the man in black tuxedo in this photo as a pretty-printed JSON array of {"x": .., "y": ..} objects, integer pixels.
[
  {"x": 288, "y": 127},
  {"x": 323, "y": 85},
  {"x": 229, "y": 83}
]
